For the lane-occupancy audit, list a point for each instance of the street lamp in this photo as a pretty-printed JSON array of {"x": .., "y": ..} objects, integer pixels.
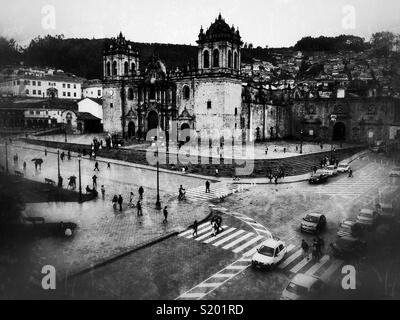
[
  {"x": 80, "y": 183},
  {"x": 58, "y": 169},
  {"x": 65, "y": 131},
  {"x": 158, "y": 203},
  {"x": 301, "y": 141},
  {"x": 333, "y": 120}
]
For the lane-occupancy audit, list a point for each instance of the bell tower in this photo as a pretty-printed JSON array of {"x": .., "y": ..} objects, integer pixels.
[{"x": 219, "y": 48}]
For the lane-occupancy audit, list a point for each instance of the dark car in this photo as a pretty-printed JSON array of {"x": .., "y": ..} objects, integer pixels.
[
  {"x": 318, "y": 179},
  {"x": 348, "y": 247},
  {"x": 313, "y": 223}
]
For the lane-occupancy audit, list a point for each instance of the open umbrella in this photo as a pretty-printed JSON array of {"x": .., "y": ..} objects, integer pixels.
[{"x": 37, "y": 160}]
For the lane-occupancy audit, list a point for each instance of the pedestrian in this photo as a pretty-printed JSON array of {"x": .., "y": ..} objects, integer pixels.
[
  {"x": 207, "y": 186},
  {"x": 24, "y": 165},
  {"x": 139, "y": 208},
  {"x": 120, "y": 202},
  {"x": 320, "y": 245},
  {"x": 69, "y": 155},
  {"x": 141, "y": 191},
  {"x": 108, "y": 165},
  {"x": 94, "y": 179},
  {"x": 316, "y": 250},
  {"x": 165, "y": 213},
  {"x": 322, "y": 146},
  {"x": 96, "y": 167},
  {"x": 305, "y": 247},
  {"x": 266, "y": 150},
  {"x": 195, "y": 227},
  {"x": 103, "y": 191},
  {"x": 350, "y": 172},
  {"x": 297, "y": 148},
  {"x": 284, "y": 150},
  {"x": 114, "y": 201},
  {"x": 270, "y": 177},
  {"x": 45, "y": 152},
  {"x": 62, "y": 156},
  {"x": 216, "y": 172},
  {"x": 276, "y": 179},
  {"x": 131, "y": 200}
]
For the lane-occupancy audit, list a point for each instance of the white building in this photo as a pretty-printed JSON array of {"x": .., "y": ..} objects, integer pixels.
[
  {"x": 42, "y": 83},
  {"x": 92, "y": 106},
  {"x": 92, "y": 89}
]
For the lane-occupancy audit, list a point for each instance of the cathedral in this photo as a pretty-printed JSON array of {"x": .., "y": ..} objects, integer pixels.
[{"x": 215, "y": 95}]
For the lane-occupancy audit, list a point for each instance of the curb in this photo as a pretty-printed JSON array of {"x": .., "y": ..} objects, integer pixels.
[
  {"x": 120, "y": 255},
  {"x": 129, "y": 251}
]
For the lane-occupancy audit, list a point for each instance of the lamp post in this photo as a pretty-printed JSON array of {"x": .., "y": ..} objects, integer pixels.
[
  {"x": 301, "y": 141},
  {"x": 80, "y": 183},
  {"x": 6, "y": 156},
  {"x": 58, "y": 169},
  {"x": 65, "y": 132},
  {"x": 333, "y": 121},
  {"x": 158, "y": 203}
]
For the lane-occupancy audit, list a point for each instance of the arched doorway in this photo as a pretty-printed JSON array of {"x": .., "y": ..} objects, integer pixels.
[
  {"x": 339, "y": 132},
  {"x": 184, "y": 137},
  {"x": 131, "y": 129},
  {"x": 152, "y": 120}
]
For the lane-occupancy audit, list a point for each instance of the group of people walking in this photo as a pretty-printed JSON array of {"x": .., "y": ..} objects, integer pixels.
[{"x": 316, "y": 249}]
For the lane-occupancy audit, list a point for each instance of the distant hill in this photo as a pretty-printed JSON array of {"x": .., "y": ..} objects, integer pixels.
[
  {"x": 333, "y": 44},
  {"x": 84, "y": 57}
]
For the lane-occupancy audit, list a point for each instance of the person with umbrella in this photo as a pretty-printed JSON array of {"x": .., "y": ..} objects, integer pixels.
[{"x": 38, "y": 163}]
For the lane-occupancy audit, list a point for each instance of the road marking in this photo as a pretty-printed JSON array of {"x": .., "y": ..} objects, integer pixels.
[
  {"x": 290, "y": 259},
  {"x": 192, "y": 295},
  {"x": 208, "y": 285},
  {"x": 332, "y": 268},
  {"x": 228, "y": 238},
  {"x": 318, "y": 265},
  {"x": 236, "y": 267},
  {"x": 200, "y": 231},
  {"x": 300, "y": 265},
  {"x": 232, "y": 244},
  {"x": 247, "y": 244},
  {"x": 191, "y": 230},
  {"x": 219, "y": 235},
  {"x": 223, "y": 275}
]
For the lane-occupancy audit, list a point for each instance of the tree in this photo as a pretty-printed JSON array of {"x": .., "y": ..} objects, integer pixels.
[{"x": 384, "y": 42}]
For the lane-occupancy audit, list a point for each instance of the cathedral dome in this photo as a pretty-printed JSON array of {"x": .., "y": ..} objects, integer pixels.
[
  {"x": 219, "y": 30},
  {"x": 155, "y": 70}
]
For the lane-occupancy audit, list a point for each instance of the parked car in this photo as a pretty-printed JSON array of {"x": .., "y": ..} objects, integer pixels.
[
  {"x": 313, "y": 223},
  {"x": 385, "y": 211},
  {"x": 343, "y": 167},
  {"x": 269, "y": 253},
  {"x": 367, "y": 218},
  {"x": 304, "y": 287},
  {"x": 349, "y": 228},
  {"x": 395, "y": 172},
  {"x": 348, "y": 247},
  {"x": 318, "y": 179},
  {"x": 331, "y": 170}
]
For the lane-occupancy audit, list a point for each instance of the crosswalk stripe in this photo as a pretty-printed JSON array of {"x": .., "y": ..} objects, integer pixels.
[
  {"x": 201, "y": 226},
  {"x": 290, "y": 247},
  {"x": 200, "y": 231},
  {"x": 300, "y": 265},
  {"x": 318, "y": 265},
  {"x": 223, "y": 275},
  {"x": 208, "y": 234},
  {"x": 208, "y": 285},
  {"x": 228, "y": 238},
  {"x": 332, "y": 268},
  {"x": 247, "y": 244},
  {"x": 219, "y": 235},
  {"x": 234, "y": 243},
  {"x": 236, "y": 267},
  {"x": 192, "y": 295},
  {"x": 290, "y": 259},
  {"x": 251, "y": 252}
]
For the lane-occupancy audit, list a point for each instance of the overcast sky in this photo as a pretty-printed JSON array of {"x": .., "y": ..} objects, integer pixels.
[{"x": 262, "y": 22}]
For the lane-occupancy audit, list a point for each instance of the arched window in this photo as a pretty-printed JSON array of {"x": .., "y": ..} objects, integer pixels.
[
  {"x": 229, "y": 59},
  {"x": 216, "y": 58},
  {"x": 108, "y": 71},
  {"x": 114, "y": 71},
  {"x": 206, "y": 59},
  {"x": 186, "y": 92},
  {"x": 236, "y": 61},
  {"x": 130, "y": 94},
  {"x": 126, "y": 68},
  {"x": 133, "y": 67}
]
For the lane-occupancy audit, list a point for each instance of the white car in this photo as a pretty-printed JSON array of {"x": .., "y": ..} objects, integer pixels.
[
  {"x": 304, "y": 287},
  {"x": 269, "y": 253},
  {"x": 343, "y": 167},
  {"x": 331, "y": 170},
  {"x": 367, "y": 217},
  {"x": 395, "y": 172}
]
